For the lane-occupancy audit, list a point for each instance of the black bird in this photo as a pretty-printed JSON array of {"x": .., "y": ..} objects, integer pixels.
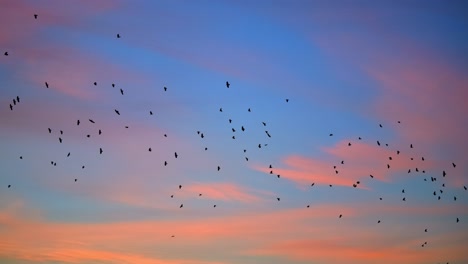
[
  {"x": 165, "y": 135},
  {"x": 92, "y": 121},
  {"x": 398, "y": 152},
  {"x": 214, "y": 205},
  {"x": 17, "y": 99},
  {"x": 78, "y": 122},
  {"x": 149, "y": 149},
  {"x": 60, "y": 140},
  {"x": 444, "y": 173},
  {"x": 245, "y": 150},
  {"x": 242, "y": 128},
  {"x": 95, "y": 83},
  {"x": 76, "y": 180},
  {"x": 278, "y": 198},
  {"x": 380, "y": 125},
  {"x": 341, "y": 216},
  {"x": 118, "y": 35},
  {"x": 268, "y": 134},
  {"x": 411, "y": 145},
  {"x": 404, "y": 199},
  {"x": 6, "y": 53},
  {"x": 458, "y": 220},
  {"x": 21, "y": 157},
  {"x": 331, "y": 135},
  {"x": 221, "y": 109},
  {"x": 11, "y": 107},
  {"x": 165, "y": 163},
  {"x": 425, "y": 230},
  {"x": 151, "y": 112},
  {"x": 312, "y": 184},
  {"x": 206, "y": 148},
  {"x": 202, "y": 136},
  {"x": 403, "y": 191},
  {"x": 247, "y": 159},
  {"x": 35, "y": 16},
  {"x": 68, "y": 155},
  {"x": 14, "y": 101},
  {"x": 9, "y": 185},
  {"x": 453, "y": 164},
  {"x": 342, "y": 162},
  {"x": 113, "y": 85},
  {"x": 378, "y": 222},
  {"x": 182, "y": 205},
  {"x": 422, "y": 158},
  {"x": 175, "y": 154},
  {"x": 180, "y": 187},
  {"x": 61, "y": 132},
  {"x": 227, "y": 84},
  {"x": 371, "y": 176},
  {"x": 349, "y": 144},
  {"x": 117, "y": 111},
  {"x": 100, "y": 151},
  {"x": 378, "y": 143},
  {"x": 359, "y": 138},
  {"x": 100, "y": 132},
  {"x": 219, "y": 168},
  {"x": 121, "y": 91},
  {"x": 46, "y": 85},
  {"x": 230, "y": 121},
  {"x": 259, "y": 145},
  {"x": 165, "y": 88},
  {"x": 233, "y": 130},
  {"x": 464, "y": 187},
  {"x": 248, "y": 109},
  {"x": 264, "y": 124},
  {"x": 287, "y": 100},
  {"x": 172, "y": 196},
  {"x": 233, "y": 137}
]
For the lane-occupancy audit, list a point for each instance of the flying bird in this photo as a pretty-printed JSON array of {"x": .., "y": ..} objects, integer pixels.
[
  {"x": 287, "y": 100},
  {"x": 46, "y": 85},
  {"x": 228, "y": 84},
  {"x": 78, "y": 122},
  {"x": 165, "y": 88},
  {"x": 181, "y": 205},
  {"x": 11, "y": 107},
  {"x": 6, "y": 53},
  {"x": 219, "y": 168},
  {"x": 35, "y": 16},
  {"x": 454, "y": 165},
  {"x": 180, "y": 187},
  {"x": 175, "y": 154},
  {"x": 92, "y": 121},
  {"x": 117, "y": 111},
  {"x": 121, "y": 91},
  {"x": 95, "y": 83},
  {"x": 118, "y": 35},
  {"x": 100, "y": 151}
]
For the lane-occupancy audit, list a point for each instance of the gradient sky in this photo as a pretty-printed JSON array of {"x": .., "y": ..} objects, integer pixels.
[{"x": 346, "y": 67}]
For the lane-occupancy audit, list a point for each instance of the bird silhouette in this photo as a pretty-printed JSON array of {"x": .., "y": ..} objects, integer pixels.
[
  {"x": 68, "y": 155},
  {"x": 118, "y": 35},
  {"x": 287, "y": 100},
  {"x": 278, "y": 198},
  {"x": 99, "y": 132},
  {"x": 219, "y": 168},
  {"x": 46, "y": 85},
  {"x": 95, "y": 83},
  {"x": 228, "y": 84},
  {"x": 453, "y": 164},
  {"x": 92, "y": 121},
  {"x": 175, "y": 154},
  {"x": 151, "y": 113},
  {"x": 165, "y": 88},
  {"x": 117, "y": 111},
  {"x": 165, "y": 163},
  {"x": 180, "y": 187},
  {"x": 35, "y": 16},
  {"x": 78, "y": 122},
  {"x": 100, "y": 151},
  {"x": 121, "y": 91},
  {"x": 11, "y": 107},
  {"x": 181, "y": 205},
  {"x": 149, "y": 149},
  {"x": 6, "y": 53},
  {"x": 9, "y": 185},
  {"x": 341, "y": 216}
]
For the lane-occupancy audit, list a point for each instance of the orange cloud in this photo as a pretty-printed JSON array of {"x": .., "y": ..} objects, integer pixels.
[{"x": 360, "y": 160}]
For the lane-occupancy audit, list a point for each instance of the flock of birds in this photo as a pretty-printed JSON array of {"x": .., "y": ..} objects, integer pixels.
[{"x": 438, "y": 192}]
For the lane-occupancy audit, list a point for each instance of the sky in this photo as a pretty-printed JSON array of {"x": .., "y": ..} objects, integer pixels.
[{"x": 340, "y": 139}]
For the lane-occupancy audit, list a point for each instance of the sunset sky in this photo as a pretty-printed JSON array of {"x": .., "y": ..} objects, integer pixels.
[{"x": 337, "y": 83}]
